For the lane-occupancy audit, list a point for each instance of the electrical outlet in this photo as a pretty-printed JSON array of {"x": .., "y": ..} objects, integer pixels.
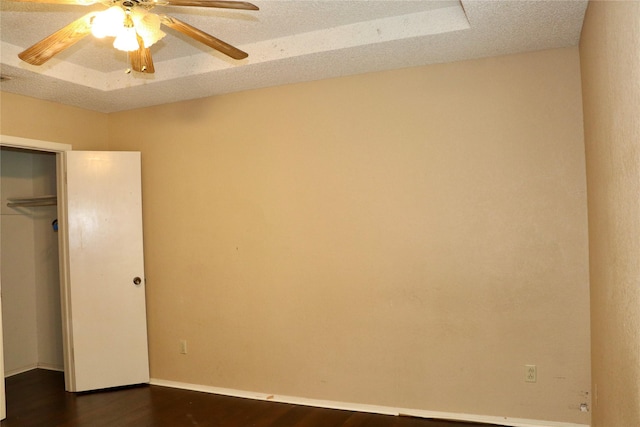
[
  {"x": 530, "y": 373},
  {"x": 183, "y": 346}
]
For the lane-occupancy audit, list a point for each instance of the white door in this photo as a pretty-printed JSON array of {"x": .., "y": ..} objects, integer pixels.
[{"x": 103, "y": 286}]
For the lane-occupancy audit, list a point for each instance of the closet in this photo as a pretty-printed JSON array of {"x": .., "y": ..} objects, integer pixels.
[
  {"x": 29, "y": 261},
  {"x": 79, "y": 286}
]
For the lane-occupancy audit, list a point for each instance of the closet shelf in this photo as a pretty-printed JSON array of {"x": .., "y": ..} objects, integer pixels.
[{"x": 18, "y": 202}]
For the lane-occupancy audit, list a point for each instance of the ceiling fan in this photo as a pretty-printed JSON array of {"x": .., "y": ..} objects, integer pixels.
[{"x": 134, "y": 28}]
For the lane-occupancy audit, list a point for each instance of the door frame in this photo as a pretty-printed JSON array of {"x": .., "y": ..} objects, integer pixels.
[{"x": 58, "y": 149}]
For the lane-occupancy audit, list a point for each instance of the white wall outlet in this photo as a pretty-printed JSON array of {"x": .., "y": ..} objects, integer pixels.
[
  {"x": 530, "y": 373},
  {"x": 183, "y": 346}
]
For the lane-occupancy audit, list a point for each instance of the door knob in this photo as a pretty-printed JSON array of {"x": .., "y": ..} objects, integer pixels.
[{"x": 137, "y": 280}]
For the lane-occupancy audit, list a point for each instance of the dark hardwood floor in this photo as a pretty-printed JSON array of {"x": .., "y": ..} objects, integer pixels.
[{"x": 37, "y": 398}]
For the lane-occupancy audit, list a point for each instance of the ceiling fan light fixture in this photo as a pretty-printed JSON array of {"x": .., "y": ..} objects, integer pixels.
[
  {"x": 147, "y": 26},
  {"x": 108, "y": 23},
  {"x": 126, "y": 40}
]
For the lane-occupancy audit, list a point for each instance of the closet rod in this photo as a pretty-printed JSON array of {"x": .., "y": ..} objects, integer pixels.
[{"x": 32, "y": 201}]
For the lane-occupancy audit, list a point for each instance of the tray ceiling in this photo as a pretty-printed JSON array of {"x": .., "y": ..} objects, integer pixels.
[{"x": 287, "y": 41}]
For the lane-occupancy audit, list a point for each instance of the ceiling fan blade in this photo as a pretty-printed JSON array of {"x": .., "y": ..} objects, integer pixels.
[
  {"x": 203, "y": 37},
  {"x": 243, "y": 5},
  {"x": 141, "y": 60},
  {"x": 46, "y": 48}
]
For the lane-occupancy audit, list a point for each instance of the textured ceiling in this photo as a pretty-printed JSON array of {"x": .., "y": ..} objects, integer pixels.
[{"x": 287, "y": 41}]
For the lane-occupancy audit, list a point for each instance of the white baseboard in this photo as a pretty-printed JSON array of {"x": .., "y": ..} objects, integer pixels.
[
  {"x": 20, "y": 370},
  {"x": 28, "y": 368},
  {"x": 50, "y": 367},
  {"x": 358, "y": 407}
]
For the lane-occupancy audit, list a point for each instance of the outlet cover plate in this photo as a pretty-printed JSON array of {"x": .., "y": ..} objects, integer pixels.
[{"x": 530, "y": 373}]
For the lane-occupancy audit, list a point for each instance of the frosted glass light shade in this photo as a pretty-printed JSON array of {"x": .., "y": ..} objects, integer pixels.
[
  {"x": 108, "y": 23},
  {"x": 126, "y": 26},
  {"x": 147, "y": 26},
  {"x": 126, "y": 40}
]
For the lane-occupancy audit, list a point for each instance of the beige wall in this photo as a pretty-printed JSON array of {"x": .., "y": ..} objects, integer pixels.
[
  {"x": 48, "y": 121},
  {"x": 610, "y": 54},
  {"x": 409, "y": 238}
]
